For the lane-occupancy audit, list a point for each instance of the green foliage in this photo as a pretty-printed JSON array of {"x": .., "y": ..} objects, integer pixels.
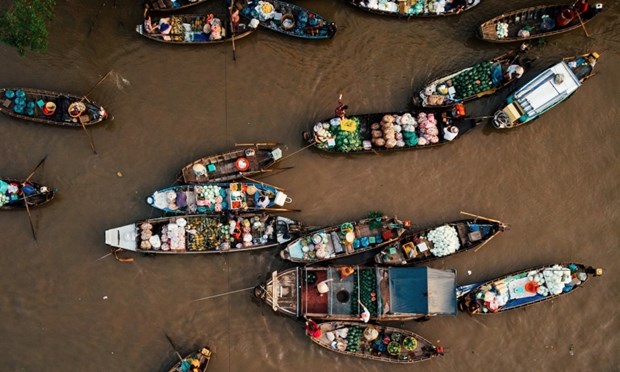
[{"x": 23, "y": 25}]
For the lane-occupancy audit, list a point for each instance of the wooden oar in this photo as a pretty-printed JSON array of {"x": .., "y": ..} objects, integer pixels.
[
  {"x": 582, "y": 24},
  {"x": 257, "y": 144},
  {"x": 90, "y": 139},
  {"x": 232, "y": 30},
  {"x": 35, "y": 169},
  {"x": 262, "y": 183},
  {"x": 485, "y": 218},
  {"x": 34, "y": 235},
  {"x": 174, "y": 348},
  {"x": 483, "y": 244}
]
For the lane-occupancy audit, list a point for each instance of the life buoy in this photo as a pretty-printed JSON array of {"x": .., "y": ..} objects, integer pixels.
[{"x": 242, "y": 164}]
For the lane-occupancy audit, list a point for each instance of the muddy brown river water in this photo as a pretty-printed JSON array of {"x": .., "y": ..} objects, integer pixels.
[{"x": 556, "y": 182}]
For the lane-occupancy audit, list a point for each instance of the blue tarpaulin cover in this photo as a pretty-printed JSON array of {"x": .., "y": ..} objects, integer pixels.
[{"x": 422, "y": 290}]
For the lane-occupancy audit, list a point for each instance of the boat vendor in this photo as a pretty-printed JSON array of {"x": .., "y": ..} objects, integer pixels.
[
  {"x": 450, "y": 132},
  {"x": 312, "y": 328},
  {"x": 365, "y": 316},
  {"x": 341, "y": 109},
  {"x": 455, "y": 6},
  {"x": 514, "y": 71}
]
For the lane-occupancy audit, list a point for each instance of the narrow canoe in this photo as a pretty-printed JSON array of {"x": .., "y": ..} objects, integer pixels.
[
  {"x": 203, "y": 234},
  {"x": 195, "y": 362},
  {"x": 471, "y": 83},
  {"x": 171, "y": 5},
  {"x": 524, "y": 288},
  {"x": 384, "y": 132},
  {"x": 439, "y": 241},
  {"x": 46, "y": 107},
  {"x": 344, "y": 240},
  {"x": 539, "y": 21},
  {"x": 547, "y": 90},
  {"x": 337, "y": 293},
  {"x": 287, "y": 19},
  {"x": 375, "y": 342},
  {"x": 12, "y": 194},
  {"x": 245, "y": 161},
  {"x": 206, "y": 198},
  {"x": 191, "y": 29},
  {"x": 414, "y": 8}
]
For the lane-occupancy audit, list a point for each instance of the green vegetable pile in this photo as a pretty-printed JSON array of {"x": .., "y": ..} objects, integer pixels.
[
  {"x": 353, "y": 339},
  {"x": 410, "y": 343},
  {"x": 367, "y": 287},
  {"x": 465, "y": 82},
  {"x": 393, "y": 348},
  {"x": 348, "y": 141}
]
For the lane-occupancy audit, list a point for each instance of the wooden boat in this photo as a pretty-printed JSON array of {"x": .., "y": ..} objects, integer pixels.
[
  {"x": 286, "y": 18},
  {"x": 414, "y": 8},
  {"x": 336, "y": 292},
  {"x": 375, "y": 342},
  {"x": 344, "y": 240},
  {"x": 48, "y": 107},
  {"x": 12, "y": 194},
  {"x": 535, "y": 22},
  {"x": 439, "y": 241},
  {"x": 203, "y": 234},
  {"x": 189, "y": 29},
  {"x": 206, "y": 198},
  {"x": 552, "y": 87},
  {"x": 245, "y": 161},
  {"x": 195, "y": 362},
  {"x": 524, "y": 288},
  {"x": 468, "y": 84},
  {"x": 373, "y": 133},
  {"x": 171, "y": 5}
]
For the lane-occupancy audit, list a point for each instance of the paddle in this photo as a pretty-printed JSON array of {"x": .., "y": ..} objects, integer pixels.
[
  {"x": 90, "y": 140},
  {"x": 582, "y": 24},
  {"x": 233, "y": 26},
  {"x": 486, "y": 218},
  {"x": 174, "y": 347},
  {"x": 34, "y": 235}
]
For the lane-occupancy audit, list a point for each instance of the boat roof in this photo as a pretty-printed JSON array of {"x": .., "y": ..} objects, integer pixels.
[
  {"x": 122, "y": 237},
  {"x": 544, "y": 91},
  {"x": 422, "y": 290}
]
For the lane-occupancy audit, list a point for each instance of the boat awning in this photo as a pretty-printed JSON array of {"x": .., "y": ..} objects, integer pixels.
[
  {"x": 545, "y": 90},
  {"x": 122, "y": 237},
  {"x": 422, "y": 290}
]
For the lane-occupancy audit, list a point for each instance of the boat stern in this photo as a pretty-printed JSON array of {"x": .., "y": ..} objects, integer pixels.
[
  {"x": 125, "y": 237},
  {"x": 507, "y": 117}
]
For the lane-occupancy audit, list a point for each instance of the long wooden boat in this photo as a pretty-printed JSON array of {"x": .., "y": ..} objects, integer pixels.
[
  {"x": 286, "y": 18},
  {"x": 375, "y": 342},
  {"x": 245, "y": 161},
  {"x": 414, "y": 8},
  {"x": 381, "y": 132},
  {"x": 524, "y": 288},
  {"x": 336, "y": 292},
  {"x": 190, "y": 29},
  {"x": 482, "y": 79},
  {"x": 208, "y": 198},
  {"x": 171, "y": 5},
  {"x": 439, "y": 241},
  {"x": 48, "y": 107},
  {"x": 12, "y": 193},
  {"x": 204, "y": 234},
  {"x": 547, "y": 90},
  {"x": 195, "y": 362},
  {"x": 535, "y": 22},
  {"x": 343, "y": 240}
]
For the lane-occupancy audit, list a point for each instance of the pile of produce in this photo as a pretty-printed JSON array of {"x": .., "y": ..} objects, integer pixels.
[
  {"x": 429, "y": 133},
  {"x": 9, "y": 192},
  {"x": 501, "y": 30},
  {"x": 176, "y": 28},
  {"x": 353, "y": 339},
  {"x": 410, "y": 343},
  {"x": 210, "y": 198},
  {"x": 207, "y": 234},
  {"x": 367, "y": 291},
  {"x": 473, "y": 81},
  {"x": 445, "y": 240},
  {"x": 555, "y": 278}
]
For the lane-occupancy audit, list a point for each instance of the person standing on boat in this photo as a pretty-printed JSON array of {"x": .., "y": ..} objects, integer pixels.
[
  {"x": 364, "y": 316},
  {"x": 341, "y": 109},
  {"x": 312, "y": 328}
]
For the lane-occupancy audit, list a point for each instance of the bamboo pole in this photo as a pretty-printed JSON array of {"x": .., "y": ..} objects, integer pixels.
[
  {"x": 483, "y": 244},
  {"x": 485, "y": 218},
  {"x": 582, "y": 24}
]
